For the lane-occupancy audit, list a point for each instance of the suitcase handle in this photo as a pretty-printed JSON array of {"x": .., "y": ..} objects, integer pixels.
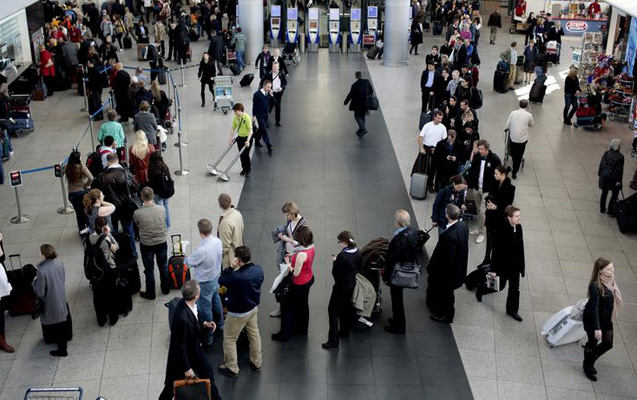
[
  {"x": 11, "y": 257},
  {"x": 178, "y": 236}
]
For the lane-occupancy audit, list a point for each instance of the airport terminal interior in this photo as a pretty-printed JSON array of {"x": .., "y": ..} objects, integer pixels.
[{"x": 340, "y": 181}]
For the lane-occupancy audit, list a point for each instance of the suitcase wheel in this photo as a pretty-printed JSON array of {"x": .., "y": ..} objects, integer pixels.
[
  {"x": 225, "y": 111},
  {"x": 598, "y": 127}
]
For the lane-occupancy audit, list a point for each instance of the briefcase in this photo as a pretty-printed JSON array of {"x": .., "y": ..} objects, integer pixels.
[{"x": 192, "y": 389}]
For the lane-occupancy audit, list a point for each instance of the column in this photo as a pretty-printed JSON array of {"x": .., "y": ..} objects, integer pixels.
[
  {"x": 396, "y": 33},
  {"x": 251, "y": 23}
]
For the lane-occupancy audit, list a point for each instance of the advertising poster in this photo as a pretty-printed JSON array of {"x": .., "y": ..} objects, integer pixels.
[{"x": 631, "y": 48}]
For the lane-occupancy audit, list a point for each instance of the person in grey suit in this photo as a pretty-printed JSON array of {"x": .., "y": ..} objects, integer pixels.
[
  {"x": 49, "y": 287},
  {"x": 448, "y": 266}
]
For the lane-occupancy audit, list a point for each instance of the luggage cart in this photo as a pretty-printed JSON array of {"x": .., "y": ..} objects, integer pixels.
[
  {"x": 589, "y": 113},
  {"x": 223, "y": 93},
  {"x": 70, "y": 393},
  {"x": 508, "y": 161}
]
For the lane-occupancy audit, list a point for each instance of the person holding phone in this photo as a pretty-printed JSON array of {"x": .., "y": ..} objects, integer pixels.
[{"x": 344, "y": 268}]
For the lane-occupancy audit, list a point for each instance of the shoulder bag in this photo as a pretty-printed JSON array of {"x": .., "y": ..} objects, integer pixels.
[{"x": 371, "y": 102}]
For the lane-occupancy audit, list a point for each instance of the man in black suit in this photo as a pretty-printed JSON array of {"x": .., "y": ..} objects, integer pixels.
[
  {"x": 276, "y": 57},
  {"x": 431, "y": 85},
  {"x": 481, "y": 180},
  {"x": 448, "y": 266},
  {"x": 262, "y": 100},
  {"x": 152, "y": 55},
  {"x": 357, "y": 99},
  {"x": 215, "y": 50},
  {"x": 142, "y": 35},
  {"x": 402, "y": 248},
  {"x": 186, "y": 358},
  {"x": 279, "y": 82}
]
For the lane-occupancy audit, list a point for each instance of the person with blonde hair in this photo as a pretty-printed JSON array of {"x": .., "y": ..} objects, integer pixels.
[
  {"x": 140, "y": 153},
  {"x": 571, "y": 88}
]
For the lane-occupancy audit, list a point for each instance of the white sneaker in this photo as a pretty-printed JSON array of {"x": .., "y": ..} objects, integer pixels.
[
  {"x": 276, "y": 313},
  {"x": 480, "y": 239},
  {"x": 474, "y": 232}
]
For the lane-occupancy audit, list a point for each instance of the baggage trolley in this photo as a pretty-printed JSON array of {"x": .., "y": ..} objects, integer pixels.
[
  {"x": 508, "y": 161},
  {"x": 212, "y": 168},
  {"x": 223, "y": 93},
  {"x": 70, "y": 393},
  {"x": 589, "y": 113}
]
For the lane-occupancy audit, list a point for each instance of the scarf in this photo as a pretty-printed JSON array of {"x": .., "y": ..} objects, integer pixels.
[{"x": 609, "y": 282}]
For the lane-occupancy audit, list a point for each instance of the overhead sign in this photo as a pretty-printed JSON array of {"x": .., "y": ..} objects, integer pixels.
[
  {"x": 16, "y": 178},
  {"x": 577, "y": 26},
  {"x": 335, "y": 14},
  {"x": 275, "y": 11},
  {"x": 313, "y": 14},
  {"x": 356, "y": 14},
  {"x": 372, "y": 12},
  {"x": 292, "y": 14}
]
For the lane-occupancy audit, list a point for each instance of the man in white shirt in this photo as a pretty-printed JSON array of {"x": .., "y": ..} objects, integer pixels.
[
  {"x": 518, "y": 126},
  {"x": 429, "y": 136},
  {"x": 279, "y": 82}
]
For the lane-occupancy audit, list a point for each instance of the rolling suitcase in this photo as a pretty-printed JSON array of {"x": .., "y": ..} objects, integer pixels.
[
  {"x": 22, "y": 298},
  {"x": 161, "y": 75},
  {"x": 123, "y": 299},
  {"x": 373, "y": 52},
  {"x": 127, "y": 42},
  {"x": 171, "y": 305},
  {"x": 562, "y": 329},
  {"x": 625, "y": 213},
  {"x": 246, "y": 80},
  {"x": 178, "y": 272},
  {"x": 127, "y": 267},
  {"x": 476, "y": 277},
  {"x": 500, "y": 81},
  {"x": 234, "y": 70},
  {"x": 538, "y": 90},
  {"x": 142, "y": 52},
  {"x": 418, "y": 186}
]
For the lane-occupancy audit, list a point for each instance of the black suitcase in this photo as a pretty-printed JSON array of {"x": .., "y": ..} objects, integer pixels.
[
  {"x": 22, "y": 298},
  {"x": 424, "y": 119},
  {"x": 373, "y": 52},
  {"x": 171, "y": 305},
  {"x": 127, "y": 265},
  {"x": 500, "y": 81},
  {"x": 161, "y": 75},
  {"x": 193, "y": 35},
  {"x": 477, "y": 277},
  {"x": 538, "y": 90},
  {"x": 128, "y": 42},
  {"x": 246, "y": 80},
  {"x": 235, "y": 71},
  {"x": 625, "y": 213},
  {"x": 123, "y": 299}
]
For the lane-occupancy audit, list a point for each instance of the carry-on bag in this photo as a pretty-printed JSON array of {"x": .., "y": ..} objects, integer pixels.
[
  {"x": 538, "y": 90},
  {"x": 142, "y": 52},
  {"x": 171, "y": 305},
  {"x": 127, "y": 267},
  {"x": 161, "y": 76},
  {"x": 503, "y": 66},
  {"x": 246, "y": 80},
  {"x": 406, "y": 275},
  {"x": 625, "y": 212},
  {"x": 233, "y": 68},
  {"x": 418, "y": 185},
  {"x": 192, "y": 389},
  {"x": 178, "y": 272},
  {"x": 562, "y": 329},
  {"x": 123, "y": 298},
  {"x": 500, "y": 81},
  {"x": 128, "y": 42},
  {"x": 22, "y": 298},
  {"x": 373, "y": 52},
  {"x": 477, "y": 277}
]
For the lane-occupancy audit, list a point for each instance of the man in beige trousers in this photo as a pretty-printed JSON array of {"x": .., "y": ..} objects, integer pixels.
[{"x": 230, "y": 229}]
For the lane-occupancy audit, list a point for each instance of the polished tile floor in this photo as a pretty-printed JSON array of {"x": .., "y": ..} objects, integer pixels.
[{"x": 341, "y": 182}]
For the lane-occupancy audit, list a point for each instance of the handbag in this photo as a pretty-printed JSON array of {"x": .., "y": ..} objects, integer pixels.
[
  {"x": 283, "y": 289},
  {"x": 37, "y": 308},
  {"x": 371, "y": 103},
  {"x": 192, "y": 389},
  {"x": 406, "y": 275}
]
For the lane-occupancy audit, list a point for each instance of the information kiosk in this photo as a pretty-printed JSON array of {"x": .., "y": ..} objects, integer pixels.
[
  {"x": 335, "y": 30},
  {"x": 313, "y": 30},
  {"x": 372, "y": 21},
  {"x": 275, "y": 26},
  {"x": 355, "y": 31},
  {"x": 292, "y": 32}
]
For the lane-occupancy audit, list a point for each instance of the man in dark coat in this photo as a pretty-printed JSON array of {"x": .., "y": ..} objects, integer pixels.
[
  {"x": 432, "y": 87},
  {"x": 481, "y": 180},
  {"x": 495, "y": 23},
  {"x": 402, "y": 248},
  {"x": 279, "y": 82},
  {"x": 357, "y": 99},
  {"x": 215, "y": 50},
  {"x": 152, "y": 55},
  {"x": 121, "y": 85},
  {"x": 261, "y": 103},
  {"x": 186, "y": 358},
  {"x": 448, "y": 266},
  {"x": 94, "y": 89}
]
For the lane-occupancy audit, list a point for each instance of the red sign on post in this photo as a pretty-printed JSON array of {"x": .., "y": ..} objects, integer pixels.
[
  {"x": 368, "y": 40},
  {"x": 16, "y": 178}
]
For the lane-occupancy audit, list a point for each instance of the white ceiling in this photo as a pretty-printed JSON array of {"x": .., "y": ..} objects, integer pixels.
[{"x": 627, "y": 6}]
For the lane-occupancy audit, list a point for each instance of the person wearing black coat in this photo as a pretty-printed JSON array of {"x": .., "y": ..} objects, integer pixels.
[
  {"x": 357, "y": 100},
  {"x": 448, "y": 155},
  {"x": 611, "y": 173},
  {"x": 216, "y": 49},
  {"x": 432, "y": 88},
  {"x": 206, "y": 74},
  {"x": 403, "y": 247},
  {"x": 262, "y": 61},
  {"x": 344, "y": 268},
  {"x": 186, "y": 357},
  {"x": 604, "y": 299},
  {"x": 447, "y": 267},
  {"x": 121, "y": 85},
  {"x": 501, "y": 195},
  {"x": 142, "y": 34},
  {"x": 279, "y": 83},
  {"x": 507, "y": 260},
  {"x": 173, "y": 33},
  {"x": 94, "y": 89},
  {"x": 455, "y": 193},
  {"x": 153, "y": 55},
  {"x": 276, "y": 57},
  {"x": 481, "y": 180},
  {"x": 262, "y": 101},
  {"x": 415, "y": 36}
]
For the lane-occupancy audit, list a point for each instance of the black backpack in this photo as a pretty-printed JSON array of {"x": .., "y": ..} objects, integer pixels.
[
  {"x": 94, "y": 163},
  {"x": 95, "y": 264}
]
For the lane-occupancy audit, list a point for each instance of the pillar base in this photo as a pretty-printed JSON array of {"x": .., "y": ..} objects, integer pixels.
[{"x": 395, "y": 64}]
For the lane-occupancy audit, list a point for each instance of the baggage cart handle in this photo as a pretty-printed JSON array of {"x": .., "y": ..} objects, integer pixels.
[
  {"x": 224, "y": 175},
  {"x": 213, "y": 167},
  {"x": 11, "y": 257}
]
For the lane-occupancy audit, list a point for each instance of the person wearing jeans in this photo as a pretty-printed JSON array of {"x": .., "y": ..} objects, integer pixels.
[
  {"x": 205, "y": 261},
  {"x": 243, "y": 279},
  {"x": 151, "y": 221},
  {"x": 239, "y": 41},
  {"x": 571, "y": 88},
  {"x": 357, "y": 100}
]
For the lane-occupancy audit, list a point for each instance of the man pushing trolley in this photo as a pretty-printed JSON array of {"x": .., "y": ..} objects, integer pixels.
[{"x": 241, "y": 134}]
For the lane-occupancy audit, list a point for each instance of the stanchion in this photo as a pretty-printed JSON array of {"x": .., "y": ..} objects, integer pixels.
[
  {"x": 20, "y": 219},
  {"x": 182, "y": 171},
  {"x": 176, "y": 98},
  {"x": 180, "y": 143},
  {"x": 111, "y": 98},
  {"x": 90, "y": 124},
  {"x": 65, "y": 209},
  {"x": 183, "y": 83},
  {"x": 83, "y": 77}
]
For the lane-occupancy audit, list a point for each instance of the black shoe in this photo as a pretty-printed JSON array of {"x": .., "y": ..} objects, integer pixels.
[
  {"x": 567, "y": 122},
  {"x": 511, "y": 88},
  {"x": 602, "y": 210},
  {"x": 254, "y": 367},
  {"x": 102, "y": 322},
  {"x": 430, "y": 189},
  {"x": 394, "y": 330},
  {"x": 114, "y": 320},
  {"x": 328, "y": 345},
  {"x": 242, "y": 173},
  {"x": 203, "y": 104},
  {"x": 479, "y": 294},
  {"x": 278, "y": 124},
  {"x": 225, "y": 371},
  {"x": 258, "y": 144},
  {"x": 270, "y": 148},
  {"x": 278, "y": 338},
  {"x": 359, "y": 134},
  {"x": 439, "y": 318},
  {"x": 247, "y": 174},
  {"x": 590, "y": 374},
  {"x": 514, "y": 176},
  {"x": 58, "y": 353},
  {"x": 515, "y": 316},
  {"x": 143, "y": 295},
  {"x": 363, "y": 133}
]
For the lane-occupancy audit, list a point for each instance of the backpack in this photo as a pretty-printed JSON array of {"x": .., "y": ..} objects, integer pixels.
[
  {"x": 167, "y": 186},
  {"x": 94, "y": 163},
  {"x": 95, "y": 264}
]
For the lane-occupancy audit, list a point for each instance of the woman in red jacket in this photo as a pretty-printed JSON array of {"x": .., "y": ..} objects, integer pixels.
[{"x": 47, "y": 69}]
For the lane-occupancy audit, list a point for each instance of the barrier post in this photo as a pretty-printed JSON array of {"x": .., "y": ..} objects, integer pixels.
[
  {"x": 175, "y": 98},
  {"x": 182, "y": 171},
  {"x": 90, "y": 124},
  {"x": 20, "y": 219},
  {"x": 84, "y": 74},
  {"x": 65, "y": 209},
  {"x": 111, "y": 98},
  {"x": 183, "y": 83},
  {"x": 180, "y": 143}
]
